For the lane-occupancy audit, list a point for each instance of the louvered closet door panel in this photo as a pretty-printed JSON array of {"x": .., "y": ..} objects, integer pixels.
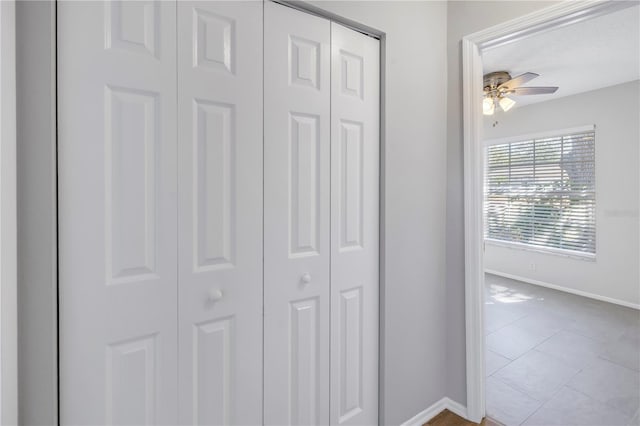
[
  {"x": 296, "y": 248},
  {"x": 220, "y": 212},
  {"x": 355, "y": 159},
  {"x": 117, "y": 212}
]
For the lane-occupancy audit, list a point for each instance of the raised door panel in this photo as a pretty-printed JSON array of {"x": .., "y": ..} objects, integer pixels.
[
  {"x": 133, "y": 26},
  {"x": 351, "y": 188},
  {"x": 351, "y": 354},
  {"x": 117, "y": 212},
  {"x": 303, "y": 365},
  {"x": 220, "y": 212},
  {"x": 296, "y": 246},
  {"x": 213, "y": 38},
  {"x": 131, "y": 148},
  {"x": 131, "y": 382},
  {"x": 213, "y": 363},
  {"x": 214, "y": 169},
  {"x": 354, "y": 232},
  {"x": 304, "y": 181}
]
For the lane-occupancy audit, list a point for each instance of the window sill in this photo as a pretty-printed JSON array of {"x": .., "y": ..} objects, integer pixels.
[{"x": 589, "y": 257}]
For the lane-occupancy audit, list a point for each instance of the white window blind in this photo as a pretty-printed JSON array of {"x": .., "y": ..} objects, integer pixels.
[{"x": 541, "y": 192}]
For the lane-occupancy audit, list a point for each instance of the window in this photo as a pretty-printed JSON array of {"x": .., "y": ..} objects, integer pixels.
[{"x": 540, "y": 192}]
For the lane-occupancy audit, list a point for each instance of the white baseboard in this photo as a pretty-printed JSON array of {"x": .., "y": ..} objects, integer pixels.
[
  {"x": 435, "y": 409},
  {"x": 457, "y": 408},
  {"x": 565, "y": 289}
]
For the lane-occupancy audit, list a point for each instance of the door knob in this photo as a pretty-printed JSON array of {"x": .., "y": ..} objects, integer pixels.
[
  {"x": 306, "y": 278},
  {"x": 215, "y": 295}
]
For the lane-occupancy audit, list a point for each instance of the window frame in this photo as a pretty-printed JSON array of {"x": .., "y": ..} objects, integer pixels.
[{"x": 575, "y": 254}]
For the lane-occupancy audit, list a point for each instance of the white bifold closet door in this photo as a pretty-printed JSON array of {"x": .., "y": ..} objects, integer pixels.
[
  {"x": 160, "y": 212},
  {"x": 163, "y": 225},
  {"x": 220, "y": 212},
  {"x": 321, "y": 221},
  {"x": 118, "y": 252},
  {"x": 297, "y": 254},
  {"x": 355, "y": 188}
]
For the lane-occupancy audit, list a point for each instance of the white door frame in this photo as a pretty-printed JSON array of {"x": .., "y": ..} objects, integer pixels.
[
  {"x": 8, "y": 218},
  {"x": 550, "y": 18}
]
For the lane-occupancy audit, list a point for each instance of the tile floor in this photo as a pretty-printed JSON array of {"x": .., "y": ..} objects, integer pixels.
[{"x": 554, "y": 358}]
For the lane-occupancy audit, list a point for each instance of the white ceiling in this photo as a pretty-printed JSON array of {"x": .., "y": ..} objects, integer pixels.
[{"x": 589, "y": 55}]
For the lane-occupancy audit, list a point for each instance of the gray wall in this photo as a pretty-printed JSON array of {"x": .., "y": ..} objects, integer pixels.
[
  {"x": 463, "y": 18},
  {"x": 37, "y": 350},
  {"x": 614, "y": 273},
  {"x": 414, "y": 335}
]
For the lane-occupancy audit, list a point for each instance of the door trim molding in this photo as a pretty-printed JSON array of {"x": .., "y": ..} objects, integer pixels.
[
  {"x": 305, "y": 7},
  {"x": 549, "y": 18},
  {"x": 37, "y": 212}
]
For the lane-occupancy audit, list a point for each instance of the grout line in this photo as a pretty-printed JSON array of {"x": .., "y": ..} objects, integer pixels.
[
  {"x": 616, "y": 409},
  {"x": 533, "y": 348},
  {"x": 602, "y": 358},
  {"x": 523, "y": 393},
  {"x": 541, "y": 405},
  {"x": 508, "y": 324}
]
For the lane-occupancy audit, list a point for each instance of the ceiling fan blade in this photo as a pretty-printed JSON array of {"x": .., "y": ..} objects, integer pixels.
[
  {"x": 518, "y": 81},
  {"x": 520, "y": 91}
]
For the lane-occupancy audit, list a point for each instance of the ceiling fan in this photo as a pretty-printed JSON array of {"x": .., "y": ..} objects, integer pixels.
[{"x": 497, "y": 85}]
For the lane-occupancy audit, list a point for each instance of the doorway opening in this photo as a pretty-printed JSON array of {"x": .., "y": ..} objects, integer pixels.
[{"x": 546, "y": 311}]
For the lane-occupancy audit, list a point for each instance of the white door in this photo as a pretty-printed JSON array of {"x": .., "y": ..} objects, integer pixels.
[
  {"x": 355, "y": 158},
  {"x": 220, "y": 212},
  {"x": 296, "y": 217},
  {"x": 117, "y": 212}
]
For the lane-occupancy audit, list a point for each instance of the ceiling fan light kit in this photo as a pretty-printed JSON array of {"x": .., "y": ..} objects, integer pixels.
[
  {"x": 497, "y": 85},
  {"x": 488, "y": 106},
  {"x": 506, "y": 103}
]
